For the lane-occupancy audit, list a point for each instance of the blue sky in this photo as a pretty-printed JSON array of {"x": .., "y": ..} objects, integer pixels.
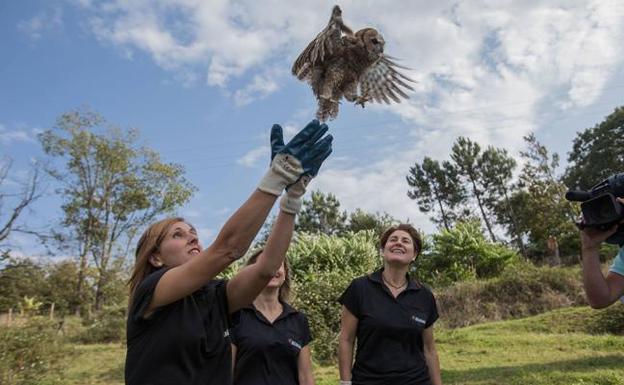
[{"x": 205, "y": 80}]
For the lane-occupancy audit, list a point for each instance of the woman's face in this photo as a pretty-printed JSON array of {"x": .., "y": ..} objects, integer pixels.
[
  {"x": 278, "y": 279},
  {"x": 179, "y": 245},
  {"x": 399, "y": 248}
]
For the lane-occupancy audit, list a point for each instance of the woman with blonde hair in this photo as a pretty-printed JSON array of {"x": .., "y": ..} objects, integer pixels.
[
  {"x": 179, "y": 315},
  {"x": 270, "y": 338}
]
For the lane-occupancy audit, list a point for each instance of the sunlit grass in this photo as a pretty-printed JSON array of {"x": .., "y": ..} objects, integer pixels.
[{"x": 540, "y": 350}]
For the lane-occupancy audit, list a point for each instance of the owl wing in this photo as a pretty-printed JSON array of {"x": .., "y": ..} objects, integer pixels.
[
  {"x": 325, "y": 45},
  {"x": 382, "y": 82}
]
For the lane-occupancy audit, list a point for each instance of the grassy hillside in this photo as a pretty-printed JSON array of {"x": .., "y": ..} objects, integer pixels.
[{"x": 553, "y": 348}]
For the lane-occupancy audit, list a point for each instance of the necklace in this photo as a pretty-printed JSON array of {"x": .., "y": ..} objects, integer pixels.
[{"x": 393, "y": 286}]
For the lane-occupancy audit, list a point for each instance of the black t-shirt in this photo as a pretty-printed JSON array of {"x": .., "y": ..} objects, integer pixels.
[
  {"x": 185, "y": 342},
  {"x": 389, "y": 331},
  {"x": 267, "y": 354}
]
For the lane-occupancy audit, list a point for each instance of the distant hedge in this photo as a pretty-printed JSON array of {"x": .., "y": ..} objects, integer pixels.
[{"x": 521, "y": 290}]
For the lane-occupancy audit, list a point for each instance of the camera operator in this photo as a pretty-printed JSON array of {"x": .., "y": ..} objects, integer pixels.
[{"x": 601, "y": 291}]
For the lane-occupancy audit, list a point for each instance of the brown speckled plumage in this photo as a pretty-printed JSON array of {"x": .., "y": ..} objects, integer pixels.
[{"x": 339, "y": 63}]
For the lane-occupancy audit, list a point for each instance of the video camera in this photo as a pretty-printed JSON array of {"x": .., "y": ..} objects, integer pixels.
[{"x": 600, "y": 207}]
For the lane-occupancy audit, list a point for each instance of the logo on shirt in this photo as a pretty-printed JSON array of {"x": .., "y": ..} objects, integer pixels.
[
  {"x": 226, "y": 333},
  {"x": 294, "y": 343},
  {"x": 419, "y": 320}
]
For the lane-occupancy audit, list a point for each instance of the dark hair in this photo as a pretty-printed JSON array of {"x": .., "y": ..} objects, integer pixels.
[
  {"x": 285, "y": 290},
  {"x": 148, "y": 244},
  {"x": 416, "y": 238}
]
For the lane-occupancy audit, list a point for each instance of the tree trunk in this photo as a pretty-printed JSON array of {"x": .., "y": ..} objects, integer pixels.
[
  {"x": 99, "y": 294},
  {"x": 78, "y": 309},
  {"x": 552, "y": 253},
  {"x": 478, "y": 196},
  {"x": 512, "y": 220},
  {"x": 444, "y": 218}
]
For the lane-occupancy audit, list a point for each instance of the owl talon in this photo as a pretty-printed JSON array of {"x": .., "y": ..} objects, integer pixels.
[{"x": 362, "y": 100}]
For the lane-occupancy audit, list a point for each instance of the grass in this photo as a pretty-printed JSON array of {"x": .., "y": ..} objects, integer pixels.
[
  {"x": 547, "y": 349},
  {"x": 96, "y": 364}
]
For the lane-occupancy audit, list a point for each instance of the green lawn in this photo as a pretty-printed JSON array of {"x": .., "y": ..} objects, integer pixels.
[{"x": 518, "y": 352}]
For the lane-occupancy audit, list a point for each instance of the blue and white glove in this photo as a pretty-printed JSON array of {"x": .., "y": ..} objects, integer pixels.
[
  {"x": 292, "y": 201},
  {"x": 300, "y": 156}
]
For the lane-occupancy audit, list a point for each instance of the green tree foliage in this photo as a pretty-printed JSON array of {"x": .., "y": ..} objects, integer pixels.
[
  {"x": 62, "y": 278},
  {"x": 110, "y": 188},
  {"x": 321, "y": 214},
  {"x": 322, "y": 267},
  {"x": 437, "y": 189},
  {"x": 496, "y": 172},
  {"x": 55, "y": 284},
  {"x": 467, "y": 157},
  {"x": 462, "y": 253},
  {"x": 360, "y": 220},
  {"x": 597, "y": 152},
  {"x": 539, "y": 204},
  {"x": 18, "y": 279}
]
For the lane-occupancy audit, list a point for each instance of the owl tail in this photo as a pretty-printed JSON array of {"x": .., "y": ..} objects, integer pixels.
[{"x": 327, "y": 110}]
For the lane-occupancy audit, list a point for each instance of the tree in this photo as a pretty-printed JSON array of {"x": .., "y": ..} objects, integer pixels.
[
  {"x": 597, "y": 152},
  {"x": 539, "y": 203},
  {"x": 466, "y": 154},
  {"x": 29, "y": 192},
  {"x": 18, "y": 279},
  {"x": 61, "y": 278},
  {"x": 497, "y": 168},
  {"x": 436, "y": 189},
  {"x": 321, "y": 214},
  {"x": 360, "y": 220},
  {"x": 110, "y": 189}
]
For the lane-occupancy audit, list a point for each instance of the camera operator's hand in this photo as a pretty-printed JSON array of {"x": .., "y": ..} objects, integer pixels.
[{"x": 591, "y": 238}]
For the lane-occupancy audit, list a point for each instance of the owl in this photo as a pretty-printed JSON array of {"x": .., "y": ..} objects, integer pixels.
[{"x": 339, "y": 63}]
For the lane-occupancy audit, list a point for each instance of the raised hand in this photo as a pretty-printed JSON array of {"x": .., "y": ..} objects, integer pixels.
[{"x": 304, "y": 154}]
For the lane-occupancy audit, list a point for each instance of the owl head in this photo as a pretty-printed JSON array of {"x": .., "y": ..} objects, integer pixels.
[{"x": 372, "y": 41}]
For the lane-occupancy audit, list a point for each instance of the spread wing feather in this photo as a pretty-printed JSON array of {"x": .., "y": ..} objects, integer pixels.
[
  {"x": 325, "y": 45},
  {"x": 383, "y": 82}
]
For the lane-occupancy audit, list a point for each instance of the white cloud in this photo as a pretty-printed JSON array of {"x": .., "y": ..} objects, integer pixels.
[
  {"x": 251, "y": 158},
  {"x": 468, "y": 55},
  {"x": 19, "y": 135},
  {"x": 375, "y": 188},
  {"x": 259, "y": 88},
  {"x": 485, "y": 69},
  {"x": 44, "y": 21}
]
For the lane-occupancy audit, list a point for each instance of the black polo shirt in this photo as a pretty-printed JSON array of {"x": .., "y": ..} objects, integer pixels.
[
  {"x": 267, "y": 354},
  {"x": 389, "y": 331},
  {"x": 185, "y": 342}
]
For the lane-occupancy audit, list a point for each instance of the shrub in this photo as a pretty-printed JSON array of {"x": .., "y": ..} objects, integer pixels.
[
  {"x": 463, "y": 253},
  {"x": 322, "y": 267},
  {"x": 109, "y": 325},
  {"x": 31, "y": 353},
  {"x": 521, "y": 290}
]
